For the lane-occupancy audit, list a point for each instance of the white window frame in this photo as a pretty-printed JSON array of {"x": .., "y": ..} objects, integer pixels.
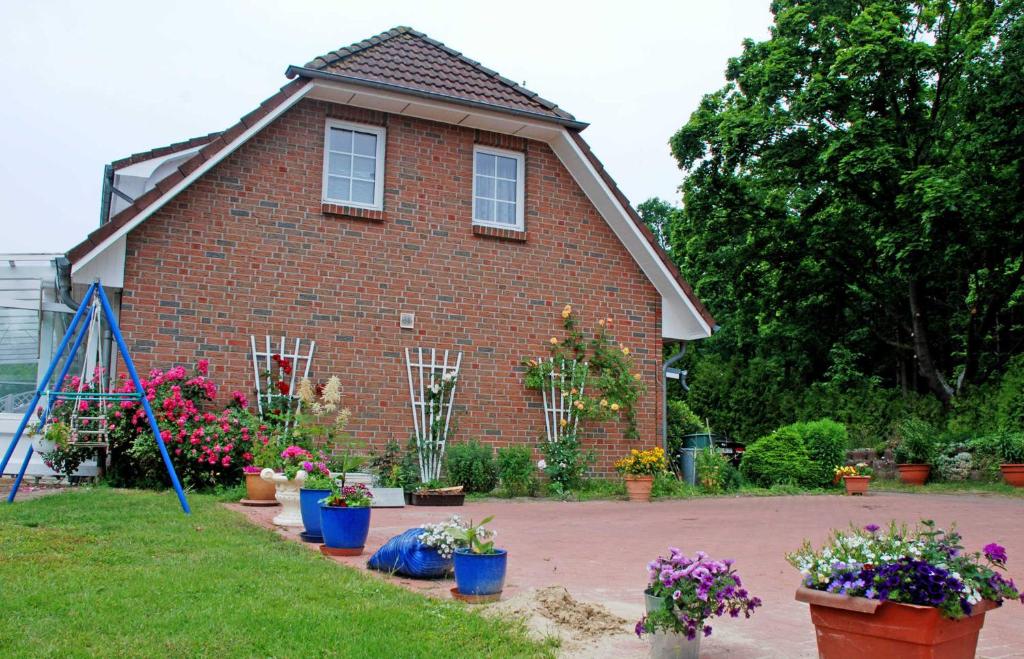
[
  {"x": 520, "y": 159},
  {"x": 378, "y": 183}
]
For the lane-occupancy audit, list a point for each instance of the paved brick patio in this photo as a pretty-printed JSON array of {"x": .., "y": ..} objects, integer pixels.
[{"x": 598, "y": 551}]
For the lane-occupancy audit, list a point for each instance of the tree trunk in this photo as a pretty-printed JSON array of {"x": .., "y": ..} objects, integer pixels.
[{"x": 922, "y": 350}]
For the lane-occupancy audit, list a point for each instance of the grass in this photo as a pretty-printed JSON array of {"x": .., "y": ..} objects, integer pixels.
[
  {"x": 963, "y": 487},
  {"x": 98, "y": 571}
]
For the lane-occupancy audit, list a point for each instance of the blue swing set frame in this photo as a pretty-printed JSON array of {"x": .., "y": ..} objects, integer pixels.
[{"x": 78, "y": 330}]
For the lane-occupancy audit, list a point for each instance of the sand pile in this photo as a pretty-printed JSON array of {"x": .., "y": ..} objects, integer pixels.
[{"x": 552, "y": 611}]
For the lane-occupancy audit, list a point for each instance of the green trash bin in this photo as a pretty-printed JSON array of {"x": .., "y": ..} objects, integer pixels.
[{"x": 688, "y": 454}]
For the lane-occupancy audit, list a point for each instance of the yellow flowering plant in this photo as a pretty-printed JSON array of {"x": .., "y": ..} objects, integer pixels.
[
  {"x": 861, "y": 469},
  {"x": 598, "y": 375},
  {"x": 648, "y": 462}
]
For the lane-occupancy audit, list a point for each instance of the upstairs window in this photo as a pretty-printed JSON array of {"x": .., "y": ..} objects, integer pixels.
[
  {"x": 354, "y": 165},
  {"x": 498, "y": 188}
]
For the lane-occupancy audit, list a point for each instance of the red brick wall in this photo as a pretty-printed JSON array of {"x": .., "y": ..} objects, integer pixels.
[{"x": 247, "y": 249}]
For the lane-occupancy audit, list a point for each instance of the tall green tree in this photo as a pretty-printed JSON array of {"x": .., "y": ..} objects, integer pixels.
[{"x": 854, "y": 195}]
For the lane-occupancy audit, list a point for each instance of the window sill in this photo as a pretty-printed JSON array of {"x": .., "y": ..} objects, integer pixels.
[
  {"x": 354, "y": 212},
  {"x": 516, "y": 235}
]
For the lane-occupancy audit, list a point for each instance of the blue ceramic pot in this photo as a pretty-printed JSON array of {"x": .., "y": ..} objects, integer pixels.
[
  {"x": 480, "y": 574},
  {"x": 309, "y": 505},
  {"x": 344, "y": 528}
]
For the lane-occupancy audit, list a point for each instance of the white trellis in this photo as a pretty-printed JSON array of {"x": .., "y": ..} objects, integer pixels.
[
  {"x": 432, "y": 380},
  {"x": 263, "y": 369},
  {"x": 560, "y": 398}
]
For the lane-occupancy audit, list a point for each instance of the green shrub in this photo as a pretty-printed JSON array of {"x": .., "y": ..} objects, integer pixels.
[
  {"x": 826, "y": 442},
  {"x": 681, "y": 421},
  {"x": 1009, "y": 400},
  {"x": 1003, "y": 447},
  {"x": 778, "y": 458},
  {"x": 667, "y": 486},
  {"x": 517, "y": 471},
  {"x": 472, "y": 466},
  {"x": 915, "y": 442},
  {"x": 712, "y": 470}
]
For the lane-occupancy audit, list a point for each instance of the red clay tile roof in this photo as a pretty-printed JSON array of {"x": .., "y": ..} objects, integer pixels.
[
  {"x": 407, "y": 58},
  {"x": 165, "y": 150},
  {"x": 214, "y": 146}
]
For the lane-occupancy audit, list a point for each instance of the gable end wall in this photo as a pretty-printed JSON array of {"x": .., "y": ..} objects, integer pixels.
[{"x": 247, "y": 249}]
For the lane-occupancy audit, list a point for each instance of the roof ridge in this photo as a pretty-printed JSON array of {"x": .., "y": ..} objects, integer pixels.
[{"x": 335, "y": 56}]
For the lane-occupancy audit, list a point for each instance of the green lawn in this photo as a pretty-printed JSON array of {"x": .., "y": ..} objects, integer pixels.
[{"x": 97, "y": 571}]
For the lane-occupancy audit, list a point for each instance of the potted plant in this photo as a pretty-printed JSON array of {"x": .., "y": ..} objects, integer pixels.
[
  {"x": 316, "y": 487},
  {"x": 287, "y": 483},
  {"x": 639, "y": 469},
  {"x": 914, "y": 451},
  {"x": 55, "y": 433},
  {"x": 855, "y": 478},
  {"x": 1010, "y": 449},
  {"x": 479, "y": 566},
  {"x": 435, "y": 493},
  {"x": 259, "y": 492},
  {"x": 897, "y": 592},
  {"x": 345, "y": 519},
  {"x": 682, "y": 595}
]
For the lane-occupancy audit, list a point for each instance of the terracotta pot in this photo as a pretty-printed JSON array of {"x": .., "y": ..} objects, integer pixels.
[
  {"x": 856, "y": 627},
  {"x": 639, "y": 487},
  {"x": 1013, "y": 474},
  {"x": 257, "y": 489},
  {"x": 914, "y": 474},
  {"x": 856, "y": 484}
]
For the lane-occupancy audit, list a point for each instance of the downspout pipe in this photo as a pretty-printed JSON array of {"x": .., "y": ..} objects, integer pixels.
[
  {"x": 63, "y": 282},
  {"x": 664, "y": 393}
]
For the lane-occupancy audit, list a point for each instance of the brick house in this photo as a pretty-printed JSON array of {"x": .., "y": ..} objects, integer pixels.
[{"x": 392, "y": 176}]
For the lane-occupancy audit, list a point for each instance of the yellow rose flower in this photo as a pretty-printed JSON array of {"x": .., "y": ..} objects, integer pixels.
[
  {"x": 565, "y": 423},
  {"x": 615, "y": 407},
  {"x": 579, "y": 405},
  {"x": 554, "y": 341},
  {"x": 636, "y": 376},
  {"x": 604, "y": 403},
  {"x": 601, "y": 322},
  {"x": 573, "y": 391},
  {"x": 625, "y": 351}
]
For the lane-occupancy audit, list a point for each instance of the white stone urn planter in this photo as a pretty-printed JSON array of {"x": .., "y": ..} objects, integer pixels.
[{"x": 287, "y": 494}]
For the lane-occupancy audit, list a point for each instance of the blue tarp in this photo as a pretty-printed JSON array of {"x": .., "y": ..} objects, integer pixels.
[{"x": 404, "y": 554}]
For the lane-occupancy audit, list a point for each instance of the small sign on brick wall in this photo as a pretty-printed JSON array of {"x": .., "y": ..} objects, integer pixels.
[{"x": 407, "y": 320}]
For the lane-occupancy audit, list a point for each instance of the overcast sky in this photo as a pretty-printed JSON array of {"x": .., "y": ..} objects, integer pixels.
[{"x": 89, "y": 82}]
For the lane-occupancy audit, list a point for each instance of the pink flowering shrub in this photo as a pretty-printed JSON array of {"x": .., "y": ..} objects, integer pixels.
[{"x": 208, "y": 445}]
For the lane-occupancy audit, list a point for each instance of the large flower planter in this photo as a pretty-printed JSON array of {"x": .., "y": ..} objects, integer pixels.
[
  {"x": 670, "y": 645},
  {"x": 1013, "y": 474},
  {"x": 480, "y": 574},
  {"x": 287, "y": 494},
  {"x": 639, "y": 487},
  {"x": 309, "y": 508},
  {"x": 257, "y": 489},
  {"x": 344, "y": 529},
  {"x": 914, "y": 474},
  {"x": 856, "y": 627},
  {"x": 856, "y": 484}
]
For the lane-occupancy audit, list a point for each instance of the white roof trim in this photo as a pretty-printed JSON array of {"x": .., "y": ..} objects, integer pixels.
[
  {"x": 188, "y": 180},
  {"x": 680, "y": 317},
  {"x": 145, "y": 168}
]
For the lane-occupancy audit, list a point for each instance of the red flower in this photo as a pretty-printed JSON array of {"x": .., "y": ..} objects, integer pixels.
[{"x": 283, "y": 387}]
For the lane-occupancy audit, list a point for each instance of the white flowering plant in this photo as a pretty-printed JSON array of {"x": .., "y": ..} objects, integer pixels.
[
  {"x": 439, "y": 536},
  {"x": 323, "y": 421}
]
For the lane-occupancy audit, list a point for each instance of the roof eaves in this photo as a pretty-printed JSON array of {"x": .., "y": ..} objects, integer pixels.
[
  {"x": 303, "y": 72},
  {"x": 159, "y": 151},
  {"x": 644, "y": 229}
]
